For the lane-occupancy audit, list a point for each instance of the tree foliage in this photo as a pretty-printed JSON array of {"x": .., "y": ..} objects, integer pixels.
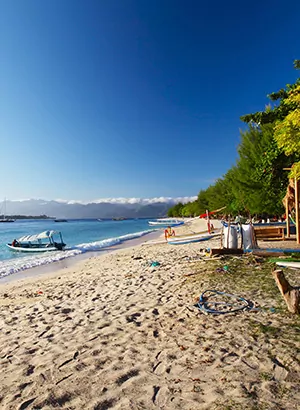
[
  {"x": 287, "y": 131},
  {"x": 176, "y": 210}
]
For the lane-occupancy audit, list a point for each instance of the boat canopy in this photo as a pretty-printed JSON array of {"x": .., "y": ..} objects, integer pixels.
[{"x": 34, "y": 238}]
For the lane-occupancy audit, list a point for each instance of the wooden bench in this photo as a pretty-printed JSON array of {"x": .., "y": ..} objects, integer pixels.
[{"x": 269, "y": 232}]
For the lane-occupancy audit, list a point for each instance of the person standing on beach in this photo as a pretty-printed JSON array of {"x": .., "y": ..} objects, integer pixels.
[{"x": 169, "y": 232}]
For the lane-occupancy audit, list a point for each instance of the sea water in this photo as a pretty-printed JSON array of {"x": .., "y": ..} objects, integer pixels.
[{"x": 80, "y": 236}]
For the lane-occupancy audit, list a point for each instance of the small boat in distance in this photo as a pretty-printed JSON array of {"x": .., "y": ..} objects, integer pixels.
[
  {"x": 60, "y": 220},
  {"x": 4, "y": 219},
  {"x": 43, "y": 242},
  {"x": 166, "y": 222}
]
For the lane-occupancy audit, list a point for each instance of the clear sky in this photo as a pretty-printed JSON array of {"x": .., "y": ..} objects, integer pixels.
[{"x": 133, "y": 98}]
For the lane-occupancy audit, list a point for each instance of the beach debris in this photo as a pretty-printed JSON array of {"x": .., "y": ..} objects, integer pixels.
[
  {"x": 153, "y": 264},
  {"x": 39, "y": 292},
  {"x": 223, "y": 303},
  {"x": 224, "y": 269}
]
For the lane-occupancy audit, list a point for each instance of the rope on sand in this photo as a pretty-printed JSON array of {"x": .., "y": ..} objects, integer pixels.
[{"x": 222, "y": 307}]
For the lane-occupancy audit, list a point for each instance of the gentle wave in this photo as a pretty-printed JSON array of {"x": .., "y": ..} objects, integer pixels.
[{"x": 11, "y": 266}]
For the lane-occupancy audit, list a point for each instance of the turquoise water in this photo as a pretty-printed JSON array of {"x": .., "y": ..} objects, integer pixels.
[{"x": 80, "y": 236}]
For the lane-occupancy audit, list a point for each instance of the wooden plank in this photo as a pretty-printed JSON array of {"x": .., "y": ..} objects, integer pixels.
[
  {"x": 272, "y": 232},
  {"x": 269, "y": 228},
  {"x": 261, "y": 252},
  {"x": 287, "y": 218}
]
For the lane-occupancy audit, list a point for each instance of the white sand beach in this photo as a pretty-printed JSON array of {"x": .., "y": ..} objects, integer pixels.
[{"x": 114, "y": 332}]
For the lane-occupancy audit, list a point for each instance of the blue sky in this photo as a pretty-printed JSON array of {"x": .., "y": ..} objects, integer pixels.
[{"x": 133, "y": 98}]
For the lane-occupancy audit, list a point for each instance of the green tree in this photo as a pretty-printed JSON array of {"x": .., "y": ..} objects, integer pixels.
[
  {"x": 285, "y": 118},
  {"x": 176, "y": 210},
  {"x": 190, "y": 209},
  {"x": 287, "y": 131},
  {"x": 203, "y": 201},
  {"x": 260, "y": 181}
]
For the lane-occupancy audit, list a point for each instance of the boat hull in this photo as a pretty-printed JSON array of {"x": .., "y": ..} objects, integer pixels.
[
  {"x": 187, "y": 240},
  {"x": 31, "y": 250},
  {"x": 289, "y": 264},
  {"x": 153, "y": 223}
]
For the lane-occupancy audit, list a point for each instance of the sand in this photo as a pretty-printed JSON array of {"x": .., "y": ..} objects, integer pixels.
[{"x": 114, "y": 332}]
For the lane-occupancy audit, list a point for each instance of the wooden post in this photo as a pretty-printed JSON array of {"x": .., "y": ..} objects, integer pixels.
[
  {"x": 297, "y": 210},
  {"x": 228, "y": 233},
  {"x": 222, "y": 232},
  {"x": 290, "y": 294},
  {"x": 288, "y": 234},
  {"x": 287, "y": 218},
  {"x": 208, "y": 221}
]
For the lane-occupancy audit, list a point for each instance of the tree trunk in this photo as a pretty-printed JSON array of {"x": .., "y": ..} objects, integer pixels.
[{"x": 290, "y": 294}]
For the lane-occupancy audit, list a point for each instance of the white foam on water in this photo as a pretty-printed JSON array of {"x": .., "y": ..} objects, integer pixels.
[{"x": 11, "y": 266}]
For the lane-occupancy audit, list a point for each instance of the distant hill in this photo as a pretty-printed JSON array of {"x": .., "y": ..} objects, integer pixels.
[
  {"x": 28, "y": 217},
  {"x": 133, "y": 208}
]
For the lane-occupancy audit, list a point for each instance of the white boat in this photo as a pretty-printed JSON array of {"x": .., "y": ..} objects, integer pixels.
[
  {"x": 166, "y": 222},
  {"x": 43, "y": 242},
  {"x": 183, "y": 240}
]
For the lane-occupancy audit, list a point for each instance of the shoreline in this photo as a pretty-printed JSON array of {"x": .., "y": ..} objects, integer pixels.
[
  {"x": 59, "y": 267},
  {"x": 54, "y": 267}
]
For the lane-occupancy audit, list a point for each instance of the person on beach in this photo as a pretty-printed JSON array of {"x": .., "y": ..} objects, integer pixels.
[{"x": 169, "y": 232}]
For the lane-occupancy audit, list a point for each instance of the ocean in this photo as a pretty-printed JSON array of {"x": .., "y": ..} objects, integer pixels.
[{"x": 81, "y": 236}]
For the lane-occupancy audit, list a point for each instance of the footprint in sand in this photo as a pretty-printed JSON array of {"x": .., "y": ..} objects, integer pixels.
[
  {"x": 160, "y": 368},
  {"x": 160, "y": 396},
  {"x": 155, "y": 333},
  {"x": 230, "y": 358},
  {"x": 122, "y": 379}
]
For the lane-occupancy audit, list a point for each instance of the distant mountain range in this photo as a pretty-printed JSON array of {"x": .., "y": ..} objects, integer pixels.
[{"x": 106, "y": 208}]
